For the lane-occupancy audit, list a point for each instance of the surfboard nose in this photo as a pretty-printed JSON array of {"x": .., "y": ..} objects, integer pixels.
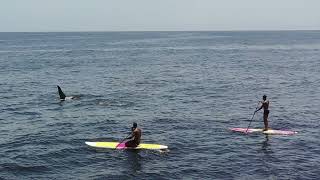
[
  {"x": 163, "y": 147},
  {"x": 91, "y": 143}
]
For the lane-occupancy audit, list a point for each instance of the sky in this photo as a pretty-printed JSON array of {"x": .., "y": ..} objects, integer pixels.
[{"x": 158, "y": 15}]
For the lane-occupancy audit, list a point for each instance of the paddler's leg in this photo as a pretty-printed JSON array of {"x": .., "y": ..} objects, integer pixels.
[
  {"x": 265, "y": 120},
  {"x": 131, "y": 143}
]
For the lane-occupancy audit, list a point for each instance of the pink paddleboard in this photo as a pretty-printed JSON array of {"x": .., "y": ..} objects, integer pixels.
[{"x": 270, "y": 131}]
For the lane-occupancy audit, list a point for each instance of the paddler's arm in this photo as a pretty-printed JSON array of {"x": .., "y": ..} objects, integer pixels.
[
  {"x": 131, "y": 136},
  {"x": 259, "y": 107}
]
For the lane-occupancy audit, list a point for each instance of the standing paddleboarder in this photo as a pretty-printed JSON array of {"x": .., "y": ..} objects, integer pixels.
[
  {"x": 135, "y": 136},
  {"x": 265, "y": 106}
]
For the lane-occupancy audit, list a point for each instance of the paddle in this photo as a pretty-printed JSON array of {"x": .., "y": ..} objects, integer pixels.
[
  {"x": 252, "y": 117},
  {"x": 123, "y": 140}
]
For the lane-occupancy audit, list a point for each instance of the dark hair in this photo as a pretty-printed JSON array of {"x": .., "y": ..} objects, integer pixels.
[
  {"x": 134, "y": 125},
  {"x": 264, "y": 96}
]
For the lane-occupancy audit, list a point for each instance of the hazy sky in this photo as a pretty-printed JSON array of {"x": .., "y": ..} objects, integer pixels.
[{"x": 144, "y": 15}]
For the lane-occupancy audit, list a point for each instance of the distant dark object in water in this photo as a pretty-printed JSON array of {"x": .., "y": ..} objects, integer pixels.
[{"x": 63, "y": 96}]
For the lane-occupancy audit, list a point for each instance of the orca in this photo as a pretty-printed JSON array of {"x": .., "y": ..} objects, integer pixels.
[{"x": 63, "y": 96}]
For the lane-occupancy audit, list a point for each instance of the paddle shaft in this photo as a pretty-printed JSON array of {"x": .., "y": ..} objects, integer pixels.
[
  {"x": 252, "y": 117},
  {"x": 251, "y": 121},
  {"x": 123, "y": 140}
]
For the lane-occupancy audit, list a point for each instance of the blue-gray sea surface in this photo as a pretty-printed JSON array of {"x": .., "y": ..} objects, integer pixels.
[{"x": 184, "y": 89}]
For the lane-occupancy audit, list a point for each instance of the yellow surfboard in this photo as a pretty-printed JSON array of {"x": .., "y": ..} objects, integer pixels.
[{"x": 116, "y": 145}]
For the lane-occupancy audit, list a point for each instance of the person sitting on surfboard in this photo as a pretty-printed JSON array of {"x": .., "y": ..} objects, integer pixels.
[
  {"x": 135, "y": 136},
  {"x": 265, "y": 106}
]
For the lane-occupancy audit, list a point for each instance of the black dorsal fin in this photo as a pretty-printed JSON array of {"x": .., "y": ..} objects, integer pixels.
[{"x": 61, "y": 94}]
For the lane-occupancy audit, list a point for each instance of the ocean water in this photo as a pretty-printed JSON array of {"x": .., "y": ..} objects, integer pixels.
[{"x": 184, "y": 89}]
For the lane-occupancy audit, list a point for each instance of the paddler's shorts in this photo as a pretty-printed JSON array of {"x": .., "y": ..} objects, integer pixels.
[{"x": 131, "y": 143}]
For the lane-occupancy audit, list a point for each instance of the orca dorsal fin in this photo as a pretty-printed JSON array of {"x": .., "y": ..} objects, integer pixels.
[{"x": 61, "y": 94}]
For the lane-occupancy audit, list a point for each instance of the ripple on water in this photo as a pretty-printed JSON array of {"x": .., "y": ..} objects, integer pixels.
[{"x": 185, "y": 89}]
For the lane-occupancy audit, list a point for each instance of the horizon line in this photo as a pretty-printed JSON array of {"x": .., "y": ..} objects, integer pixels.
[{"x": 235, "y": 30}]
